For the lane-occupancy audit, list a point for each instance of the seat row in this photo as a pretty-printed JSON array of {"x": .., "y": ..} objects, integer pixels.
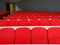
[
  {"x": 3, "y": 14},
  {"x": 26, "y": 36},
  {"x": 34, "y": 14},
  {"x": 30, "y": 22}
]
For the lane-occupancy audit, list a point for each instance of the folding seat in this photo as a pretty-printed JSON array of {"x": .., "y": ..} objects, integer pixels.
[
  {"x": 3, "y": 22},
  {"x": 15, "y": 15},
  {"x": 45, "y": 21},
  {"x": 23, "y": 36},
  {"x": 6, "y": 36},
  {"x": 39, "y": 36},
  {"x": 4, "y": 13},
  {"x": 30, "y": 14},
  {"x": 10, "y": 17},
  {"x": 13, "y": 22},
  {"x": 55, "y": 21},
  {"x": 34, "y": 22},
  {"x": 38, "y": 15},
  {"x": 54, "y": 35},
  {"x": 23, "y": 22},
  {"x": 55, "y": 14},
  {"x": 18, "y": 15},
  {"x": 45, "y": 14},
  {"x": 24, "y": 15}
]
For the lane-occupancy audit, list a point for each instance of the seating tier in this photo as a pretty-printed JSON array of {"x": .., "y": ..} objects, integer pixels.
[{"x": 36, "y": 35}]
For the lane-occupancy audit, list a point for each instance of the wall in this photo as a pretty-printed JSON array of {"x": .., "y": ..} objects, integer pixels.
[
  {"x": 36, "y": 5},
  {"x": 2, "y": 6},
  {"x": 40, "y": 5}
]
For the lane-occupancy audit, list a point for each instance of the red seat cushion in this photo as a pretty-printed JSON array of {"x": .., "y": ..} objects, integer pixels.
[
  {"x": 54, "y": 35},
  {"x": 30, "y": 14},
  {"x": 45, "y": 22},
  {"x": 23, "y": 22},
  {"x": 55, "y": 14},
  {"x": 39, "y": 36},
  {"x": 7, "y": 36},
  {"x": 23, "y": 36},
  {"x": 13, "y": 22},
  {"x": 3, "y": 22},
  {"x": 55, "y": 21},
  {"x": 34, "y": 22},
  {"x": 3, "y": 12}
]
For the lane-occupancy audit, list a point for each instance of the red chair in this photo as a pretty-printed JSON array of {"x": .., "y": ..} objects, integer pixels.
[
  {"x": 35, "y": 14},
  {"x": 19, "y": 15},
  {"x": 23, "y": 22},
  {"x": 3, "y": 22},
  {"x": 34, "y": 22},
  {"x": 23, "y": 36},
  {"x": 55, "y": 22},
  {"x": 45, "y": 14},
  {"x": 30, "y": 15},
  {"x": 15, "y": 15},
  {"x": 13, "y": 22},
  {"x": 55, "y": 14},
  {"x": 39, "y": 36},
  {"x": 9, "y": 17},
  {"x": 38, "y": 15},
  {"x": 24, "y": 15},
  {"x": 7, "y": 36},
  {"x": 54, "y": 35},
  {"x": 4, "y": 13},
  {"x": 45, "y": 21}
]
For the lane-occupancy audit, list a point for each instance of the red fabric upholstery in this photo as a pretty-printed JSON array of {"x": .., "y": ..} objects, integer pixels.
[
  {"x": 39, "y": 36},
  {"x": 55, "y": 21},
  {"x": 24, "y": 15},
  {"x": 7, "y": 36},
  {"x": 45, "y": 21},
  {"x": 34, "y": 22},
  {"x": 55, "y": 14},
  {"x": 34, "y": 17},
  {"x": 23, "y": 22},
  {"x": 30, "y": 14},
  {"x": 13, "y": 22},
  {"x": 45, "y": 14},
  {"x": 54, "y": 35},
  {"x": 37, "y": 15},
  {"x": 3, "y": 22},
  {"x": 4, "y": 12},
  {"x": 23, "y": 36}
]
